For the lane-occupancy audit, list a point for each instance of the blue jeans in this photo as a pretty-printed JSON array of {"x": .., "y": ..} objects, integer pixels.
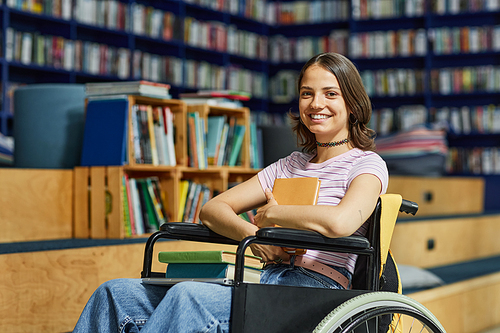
[{"x": 128, "y": 305}]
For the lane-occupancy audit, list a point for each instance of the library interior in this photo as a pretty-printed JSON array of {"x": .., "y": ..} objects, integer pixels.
[{"x": 117, "y": 116}]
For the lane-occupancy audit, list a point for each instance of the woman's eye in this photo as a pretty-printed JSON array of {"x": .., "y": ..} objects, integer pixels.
[{"x": 331, "y": 94}]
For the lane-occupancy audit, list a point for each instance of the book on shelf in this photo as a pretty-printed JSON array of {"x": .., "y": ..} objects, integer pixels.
[
  {"x": 183, "y": 193},
  {"x": 237, "y": 144},
  {"x": 215, "y": 125},
  {"x": 141, "y": 87},
  {"x": 105, "y": 133},
  {"x": 206, "y": 257},
  {"x": 210, "y": 271},
  {"x": 192, "y": 199},
  {"x": 196, "y": 142},
  {"x": 135, "y": 203},
  {"x": 296, "y": 191}
]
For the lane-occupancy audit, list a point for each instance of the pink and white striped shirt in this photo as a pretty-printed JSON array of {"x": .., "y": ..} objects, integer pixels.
[{"x": 336, "y": 175}]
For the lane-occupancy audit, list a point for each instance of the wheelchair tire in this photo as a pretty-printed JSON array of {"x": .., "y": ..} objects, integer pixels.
[{"x": 366, "y": 307}]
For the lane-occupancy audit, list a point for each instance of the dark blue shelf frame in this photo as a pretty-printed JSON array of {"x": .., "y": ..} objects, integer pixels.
[{"x": 72, "y": 29}]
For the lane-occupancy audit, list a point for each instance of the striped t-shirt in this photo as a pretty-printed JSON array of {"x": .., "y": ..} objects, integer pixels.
[{"x": 336, "y": 174}]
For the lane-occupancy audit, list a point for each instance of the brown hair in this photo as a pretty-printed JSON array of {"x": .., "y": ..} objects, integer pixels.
[{"x": 355, "y": 97}]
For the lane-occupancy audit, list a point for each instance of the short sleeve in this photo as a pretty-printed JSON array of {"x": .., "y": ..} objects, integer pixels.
[{"x": 370, "y": 163}]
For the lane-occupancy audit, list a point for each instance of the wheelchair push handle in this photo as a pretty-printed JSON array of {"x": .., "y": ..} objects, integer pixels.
[{"x": 409, "y": 207}]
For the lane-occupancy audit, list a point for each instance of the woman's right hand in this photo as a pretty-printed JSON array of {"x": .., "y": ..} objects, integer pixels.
[{"x": 269, "y": 253}]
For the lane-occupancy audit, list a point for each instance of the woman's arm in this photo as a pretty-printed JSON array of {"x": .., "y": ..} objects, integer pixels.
[
  {"x": 220, "y": 214},
  {"x": 332, "y": 221}
]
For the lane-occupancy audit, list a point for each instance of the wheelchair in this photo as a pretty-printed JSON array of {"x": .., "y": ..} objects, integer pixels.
[{"x": 373, "y": 304}]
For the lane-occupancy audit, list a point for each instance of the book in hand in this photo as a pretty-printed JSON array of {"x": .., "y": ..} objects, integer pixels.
[
  {"x": 296, "y": 191},
  {"x": 206, "y": 257},
  {"x": 142, "y": 87},
  {"x": 210, "y": 271}
]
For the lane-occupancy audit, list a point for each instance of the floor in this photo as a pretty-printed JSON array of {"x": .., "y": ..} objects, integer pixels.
[{"x": 492, "y": 330}]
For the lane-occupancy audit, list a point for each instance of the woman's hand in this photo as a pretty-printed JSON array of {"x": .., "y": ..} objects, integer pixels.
[
  {"x": 260, "y": 218},
  {"x": 269, "y": 253}
]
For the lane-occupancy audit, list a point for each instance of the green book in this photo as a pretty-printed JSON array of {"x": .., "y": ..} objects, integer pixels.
[{"x": 207, "y": 257}]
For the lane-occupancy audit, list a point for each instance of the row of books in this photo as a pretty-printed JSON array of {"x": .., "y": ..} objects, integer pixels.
[
  {"x": 477, "y": 160},
  {"x": 153, "y": 135},
  {"x": 154, "y": 23},
  {"x": 387, "y": 120},
  {"x": 71, "y": 55},
  {"x": 56, "y": 8},
  {"x": 307, "y": 12},
  {"x": 388, "y": 44},
  {"x": 464, "y": 6},
  {"x": 290, "y": 49},
  {"x": 379, "y": 9},
  {"x": 463, "y": 80},
  {"x": 192, "y": 196},
  {"x": 253, "y": 9},
  {"x": 109, "y": 14},
  {"x": 218, "y": 36},
  {"x": 198, "y": 74},
  {"x": 144, "y": 205},
  {"x": 455, "y": 40},
  {"x": 221, "y": 144},
  {"x": 394, "y": 82},
  {"x": 482, "y": 119},
  {"x": 474, "y": 119},
  {"x": 100, "y": 59}
]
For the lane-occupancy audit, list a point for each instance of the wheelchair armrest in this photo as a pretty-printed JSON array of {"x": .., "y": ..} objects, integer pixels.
[
  {"x": 193, "y": 232},
  {"x": 313, "y": 240}
]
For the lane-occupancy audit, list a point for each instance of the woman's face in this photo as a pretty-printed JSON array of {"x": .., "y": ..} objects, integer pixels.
[{"x": 322, "y": 106}]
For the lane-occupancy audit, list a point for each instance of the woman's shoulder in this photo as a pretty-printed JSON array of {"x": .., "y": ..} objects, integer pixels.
[{"x": 365, "y": 154}]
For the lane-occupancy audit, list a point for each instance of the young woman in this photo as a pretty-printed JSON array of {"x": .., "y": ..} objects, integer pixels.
[{"x": 337, "y": 148}]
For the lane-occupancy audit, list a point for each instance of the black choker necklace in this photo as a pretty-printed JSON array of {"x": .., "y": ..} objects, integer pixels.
[{"x": 332, "y": 144}]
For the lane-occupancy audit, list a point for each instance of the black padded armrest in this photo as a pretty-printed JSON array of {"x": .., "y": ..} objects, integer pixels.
[
  {"x": 312, "y": 239},
  {"x": 193, "y": 232}
]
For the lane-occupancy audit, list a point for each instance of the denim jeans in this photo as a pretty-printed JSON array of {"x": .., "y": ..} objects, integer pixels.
[{"x": 128, "y": 305}]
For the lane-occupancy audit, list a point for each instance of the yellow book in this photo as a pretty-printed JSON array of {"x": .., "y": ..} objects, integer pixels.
[
  {"x": 296, "y": 191},
  {"x": 183, "y": 189}
]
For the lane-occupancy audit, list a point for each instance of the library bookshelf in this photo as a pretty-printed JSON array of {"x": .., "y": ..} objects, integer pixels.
[{"x": 100, "y": 207}]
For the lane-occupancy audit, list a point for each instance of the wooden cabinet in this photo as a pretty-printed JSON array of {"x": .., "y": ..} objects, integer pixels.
[
  {"x": 441, "y": 196},
  {"x": 99, "y": 201}
]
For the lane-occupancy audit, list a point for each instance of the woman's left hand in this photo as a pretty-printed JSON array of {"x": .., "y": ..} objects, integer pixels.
[{"x": 260, "y": 219}]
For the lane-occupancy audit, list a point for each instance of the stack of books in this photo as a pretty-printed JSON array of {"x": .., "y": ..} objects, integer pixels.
[
  {"x": 208, "y": 265},
  {"x": 142, "y": 87},
  {"x": 223, "y": 98}
]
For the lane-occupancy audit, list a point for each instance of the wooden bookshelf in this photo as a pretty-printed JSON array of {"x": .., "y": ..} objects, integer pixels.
[{"x": 98, "y": 198}]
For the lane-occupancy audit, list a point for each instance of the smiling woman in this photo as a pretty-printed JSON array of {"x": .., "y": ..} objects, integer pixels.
[
  {"x": 342, "y": 83},
  {"x": 334, "y": 110}
]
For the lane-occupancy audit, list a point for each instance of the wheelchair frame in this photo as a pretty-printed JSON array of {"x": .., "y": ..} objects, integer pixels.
[{"x": 250, "y": 313}]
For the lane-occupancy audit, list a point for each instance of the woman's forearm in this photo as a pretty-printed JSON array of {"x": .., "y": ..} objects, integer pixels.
[{"x": 220, "y": 217}]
